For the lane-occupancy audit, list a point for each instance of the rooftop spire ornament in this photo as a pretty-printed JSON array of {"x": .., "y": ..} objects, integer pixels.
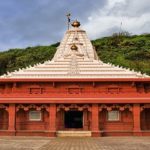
[
  {"x": 68, "y": 17},
  {"x": 76, "y": 24}
]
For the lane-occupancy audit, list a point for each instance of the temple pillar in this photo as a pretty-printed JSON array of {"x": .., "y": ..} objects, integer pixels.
[
  {"x": 62, "y": 119},
  {"x": 95, "y": 120},
  {"x": 85, "y": 117},
  {"x": 52, "y": 120},
  {"x": 136, "y": 119},
  {"x": 12, "y": 118}
]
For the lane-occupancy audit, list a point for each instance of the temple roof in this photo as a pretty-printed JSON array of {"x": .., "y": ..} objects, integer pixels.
[{"x": 75, "y": 58}]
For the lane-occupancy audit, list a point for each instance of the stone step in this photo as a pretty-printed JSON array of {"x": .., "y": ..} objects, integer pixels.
[{"x": 73, "y": 133}]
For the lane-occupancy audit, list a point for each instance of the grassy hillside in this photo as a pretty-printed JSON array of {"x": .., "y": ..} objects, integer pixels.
[
  {"x": 127, "y": 51},
  {"x": 20, "y": 58},
  {"x": 120, "y": 49}
]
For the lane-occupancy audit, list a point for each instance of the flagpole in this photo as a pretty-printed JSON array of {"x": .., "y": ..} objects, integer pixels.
[{"x": 68, "y": 22}]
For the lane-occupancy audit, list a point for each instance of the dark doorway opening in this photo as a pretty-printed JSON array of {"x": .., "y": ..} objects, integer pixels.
[
  {"x": 73, "y": 119},
  {"x": 145, "y": 119}
]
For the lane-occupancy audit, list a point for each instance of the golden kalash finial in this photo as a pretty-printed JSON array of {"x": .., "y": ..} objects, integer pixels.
[
  {"x": 74, "y": 47},
  {"x": 76, "y": 24}
]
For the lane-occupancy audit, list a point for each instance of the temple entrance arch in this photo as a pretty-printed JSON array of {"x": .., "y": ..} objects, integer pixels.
[
  {"x": 74, "y": 116},
  {"x": 73, "y": 119}
]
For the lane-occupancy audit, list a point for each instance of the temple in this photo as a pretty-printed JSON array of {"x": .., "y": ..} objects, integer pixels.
[{"x": 75, "y": 94}]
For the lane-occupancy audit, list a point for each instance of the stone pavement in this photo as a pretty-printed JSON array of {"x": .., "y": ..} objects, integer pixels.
[{"x": 102, "y": 143}]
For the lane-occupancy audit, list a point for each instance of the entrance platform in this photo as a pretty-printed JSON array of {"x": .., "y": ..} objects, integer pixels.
[{"x": 73, "y": 133}]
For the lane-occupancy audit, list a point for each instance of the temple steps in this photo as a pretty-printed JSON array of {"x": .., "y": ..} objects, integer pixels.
[{"x": 73, "y": 133}]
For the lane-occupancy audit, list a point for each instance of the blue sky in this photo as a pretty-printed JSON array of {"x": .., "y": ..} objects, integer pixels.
[{"x": 26, "y": 23}]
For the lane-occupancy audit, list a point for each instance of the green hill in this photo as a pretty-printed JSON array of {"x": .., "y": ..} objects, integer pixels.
[{"x": 119, "y": 49}]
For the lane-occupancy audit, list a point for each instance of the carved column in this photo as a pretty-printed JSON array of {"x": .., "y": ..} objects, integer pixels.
[
  {"x": 95, "y": 120},
  {"x": 136, "y": 119},
  {"x": 12, "y": 117},
  {"x": 52, "y": 119},
  {"x": 62, "y": 119},
  {"x": 85, "y": 117}
]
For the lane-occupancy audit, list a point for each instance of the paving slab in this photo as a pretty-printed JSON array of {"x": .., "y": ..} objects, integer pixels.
[{"x": 75, "y": 143}]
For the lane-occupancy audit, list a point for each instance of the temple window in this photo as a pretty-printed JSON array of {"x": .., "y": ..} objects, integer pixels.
[
  {"x": 36, "y": 90},
  {"x": 113, "y": 90},
  {"x": 73, "y": 90},
  {"x": 35, "y": 116},
  {"x": 113, "y": 115}
]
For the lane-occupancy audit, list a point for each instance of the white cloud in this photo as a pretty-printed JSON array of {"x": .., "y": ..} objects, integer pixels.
[{"x": 134, "y": 15}]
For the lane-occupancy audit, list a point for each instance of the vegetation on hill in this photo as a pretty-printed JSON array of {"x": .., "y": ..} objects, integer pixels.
[
  {"x": 120, "y": 49},
  {"x": 124, "y": 50},
  {"x": 20, "y": 58}
]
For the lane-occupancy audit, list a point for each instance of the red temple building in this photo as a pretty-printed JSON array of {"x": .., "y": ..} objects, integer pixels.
[{"x": 75, "y": 94}]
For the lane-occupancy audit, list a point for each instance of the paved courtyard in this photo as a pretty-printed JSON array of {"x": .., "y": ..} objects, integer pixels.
[{"x": 102, "y": 143}]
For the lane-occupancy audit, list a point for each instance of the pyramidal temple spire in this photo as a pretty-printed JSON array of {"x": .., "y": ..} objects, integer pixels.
[
  {"x": 75, "y": 58},
  {"x": 76, "y": 38}
]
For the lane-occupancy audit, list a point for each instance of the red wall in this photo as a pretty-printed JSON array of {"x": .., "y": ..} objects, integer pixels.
[
  {"x": 55, "y": 89},
  {"x": 125, "y": 123},
  {"x": 23, "y": 122}
]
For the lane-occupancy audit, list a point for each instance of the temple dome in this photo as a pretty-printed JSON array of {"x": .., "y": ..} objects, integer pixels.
[{"x": 76, "y": 24}]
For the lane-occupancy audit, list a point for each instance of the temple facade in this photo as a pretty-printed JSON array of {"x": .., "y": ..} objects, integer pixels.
[{"x": 75, "y": 94}]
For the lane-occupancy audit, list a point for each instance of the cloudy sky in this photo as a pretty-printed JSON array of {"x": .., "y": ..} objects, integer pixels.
[{"x": 26, "y": 23}]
